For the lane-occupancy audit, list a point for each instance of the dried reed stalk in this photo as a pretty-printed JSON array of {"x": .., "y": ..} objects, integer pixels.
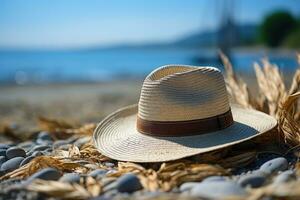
[
  {"x": 42, "y": 162},
  {"x": 273, "y": 98},
  {"x": 60, "y": 190},
  {"x": 169, "y": 175},
  {"x": 62, "y": 130}
]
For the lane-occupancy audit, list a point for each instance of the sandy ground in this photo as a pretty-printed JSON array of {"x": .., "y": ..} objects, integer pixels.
[{"x": 79, "y": 103}]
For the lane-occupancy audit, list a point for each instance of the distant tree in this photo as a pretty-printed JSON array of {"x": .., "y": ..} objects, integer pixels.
[
  {"x": 276, "y": 27},
  {"x": 293, "y": 39}
]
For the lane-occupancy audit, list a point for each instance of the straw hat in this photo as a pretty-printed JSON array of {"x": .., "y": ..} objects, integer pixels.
[{"x": 182, "y": 111}]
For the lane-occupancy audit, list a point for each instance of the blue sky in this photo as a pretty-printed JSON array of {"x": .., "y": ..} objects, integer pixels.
[{"x": 81, "y": 23}]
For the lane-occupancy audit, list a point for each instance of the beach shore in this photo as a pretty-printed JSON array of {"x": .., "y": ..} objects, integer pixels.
[{"x": 77, "y": 103}]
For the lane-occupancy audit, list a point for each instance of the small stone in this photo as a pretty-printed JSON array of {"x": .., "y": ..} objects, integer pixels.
[
  {"x": 40, "y": 147},
  {"x": 37, "y": 153},
  {"x": 12, "y": 164},
  {"x": 3, "y": 152},
  {"x": 82, "y": 141},
  {"x": 109, "y": 164},
  {"x": 252, "y": 180},
  {"x": 187, "y": 186},
  {"x": 217, "y": 190},
  {"x": 284, "y": 177},
  {"x": 128, "y": 183},
  {"x": 46, "y": 174},
  {"x": 13, "y": 152},
  {"x": 214, "y": 178},
  {"x": 59, "y": 143},
  {"x": 97, "y": 173},
  {"x": 4, "y": 146},
  {"x": 274, "y": 165},
  {"x": 44, "y": 136},
  {"x": 26, "y": 145},
  {"x": 92, "y": 166},
  {"x": 2, "y": 160},
  {"x": 70, "y": 178},
  {"x": 26, "y": 160}
]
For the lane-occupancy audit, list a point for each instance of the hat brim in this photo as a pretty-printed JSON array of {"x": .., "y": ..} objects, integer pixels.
[{"x": 116, "y": 137}]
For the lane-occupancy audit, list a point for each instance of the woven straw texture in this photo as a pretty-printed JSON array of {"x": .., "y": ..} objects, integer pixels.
[{"x": 177, "y": 93}]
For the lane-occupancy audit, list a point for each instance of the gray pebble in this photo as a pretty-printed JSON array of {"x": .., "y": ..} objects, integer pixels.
[
  {"x": 82, "y": 141},
  {"x": 3, "y": 152},
  {"x": 284, "y": 177},
  {"x": 109, "y": 164},
  {"x": 2, "y": 160},
  {"x": 70, "y": 178},
  {"x": 44, "y": 135},
  {"x": 214, "y": 178},
  {"x": 37, "y": 153},
  {"x": 12, "y": 164},
  {"x": 217, "y": 190},
  {"x": 59, "y": 143},
  {"x": 274, "y": 165},
  {"x": 187, "y": 186},
  {"x": 26, "y": 145},
  {"x": 40, "y": 147},
  {"x": 26, "y": 160},
  {"x": 253, "y": 180},
  {"x": 128, "y": 183},
  {"x": 4, "y": 146},
  {"x": 46, "y": 174},
  {"x": 97, "y": 173},
  {"x": 44, "y": 142},
  {"x": 13, "y": 152}
]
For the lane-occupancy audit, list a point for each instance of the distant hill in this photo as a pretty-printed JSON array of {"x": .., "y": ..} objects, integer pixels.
[{"x": 246, "y": 34}]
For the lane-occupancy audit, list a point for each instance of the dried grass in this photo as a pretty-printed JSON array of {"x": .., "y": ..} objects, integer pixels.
[
  {"x": 273, "y": 97},
  {"x": 42, "y": 162},
  {"x": 61, "y": 129}
]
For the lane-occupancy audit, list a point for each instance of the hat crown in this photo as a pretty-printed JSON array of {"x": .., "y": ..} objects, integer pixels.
[{"x": 181, "y": 93}]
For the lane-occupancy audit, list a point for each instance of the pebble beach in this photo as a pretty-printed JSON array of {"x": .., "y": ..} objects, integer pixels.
[{"x": 53, "y": 157}]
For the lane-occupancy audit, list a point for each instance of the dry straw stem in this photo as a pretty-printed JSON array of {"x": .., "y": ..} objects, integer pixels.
[
  {"x": 42, "y": 162},
  {"x": 273, "y": 98},
  {"x": 87, "y": 152},
  {"x": 169, "y": 175},
  {"x": 62, "y": 130},
  {"x": 237, "y": 88},
  {"x": 63, "y": 190}
]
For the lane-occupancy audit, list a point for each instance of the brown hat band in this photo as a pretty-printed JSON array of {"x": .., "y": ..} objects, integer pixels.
[{"x": 184, "y": 128}]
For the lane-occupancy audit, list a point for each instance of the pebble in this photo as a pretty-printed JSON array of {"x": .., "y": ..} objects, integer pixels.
[
  {"x": 187, "y": 186},
  {"x": 12, "y": 164},
  {"x": 253, "y": 180},
  {"x": 44, "y": 135},
  {"x": 41, "y": 147},
  {"x": 2, "y": 152},
  {"x": 70, "y": 178},
  {"x": 109, "y": 164},
  {"x": 26, "y": 160},
  {"x": 26, "y": 145},
  {"x": 214, "y": 178},
  {"x": 4, "y": 146},
  {"x": 82, "y": 141},
  {"x": 274, "y": 165},
  {"x": 2, "y": 160},
  {"x": 37, "y": 153},
  {"x": 97, "y": 173},
  {"x": 128, "y": 183},
  {"x": 59, "y": 143},
  {"x": 46, "y": 174},
  {"x": 284, "y": 177},
  {"x": 217, "y": 190},
  {"x": 13, "y": 152}
]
